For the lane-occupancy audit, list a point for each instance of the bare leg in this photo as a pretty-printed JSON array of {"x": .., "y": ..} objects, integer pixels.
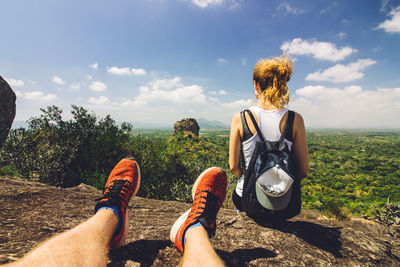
[
  {"x": 85, "y": 245},
  {"x": 198, "y": 249},
  {"x": 88, "y": 243},
  {"x": 190, "y": 232}
]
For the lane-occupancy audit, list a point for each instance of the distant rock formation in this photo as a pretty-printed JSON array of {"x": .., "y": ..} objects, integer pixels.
[
  {"x": 7, "y": 109},
  {"x": 31, "y": 212},
  {"x": 187, "y": 125}
]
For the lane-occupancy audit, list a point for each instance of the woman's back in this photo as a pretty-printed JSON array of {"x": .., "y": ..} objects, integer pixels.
[{"x": 269, "y": 122}]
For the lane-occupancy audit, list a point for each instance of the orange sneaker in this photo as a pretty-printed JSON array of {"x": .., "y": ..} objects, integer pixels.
[
  {"x": 122, "y": 184},
  {"x": 208, "y": 194}
]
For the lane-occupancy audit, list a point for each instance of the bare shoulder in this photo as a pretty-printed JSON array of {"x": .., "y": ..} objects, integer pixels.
[
  {"x": 236, "y": 120},
  {"x": 298, "y": 119}
]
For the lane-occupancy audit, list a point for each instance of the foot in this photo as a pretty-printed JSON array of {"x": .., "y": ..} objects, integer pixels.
[
  {"x": 208, "y": 194},
  {"x": 122, "y": 184}
]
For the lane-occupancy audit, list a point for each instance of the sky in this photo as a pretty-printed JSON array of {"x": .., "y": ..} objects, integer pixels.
[{"x": 153, "y": 62}]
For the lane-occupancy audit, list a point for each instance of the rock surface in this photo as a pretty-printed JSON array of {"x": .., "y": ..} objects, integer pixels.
[
  {"x": 187, "y": 126},
  {"x": 32, "y": 212},
  {"x": 7, "y": 109}
]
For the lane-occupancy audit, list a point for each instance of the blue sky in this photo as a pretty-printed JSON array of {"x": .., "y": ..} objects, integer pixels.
[{"x": 158, "y": 61}]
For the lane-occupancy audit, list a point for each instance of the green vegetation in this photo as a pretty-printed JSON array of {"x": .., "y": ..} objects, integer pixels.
[{"x": 350, "y": 171}]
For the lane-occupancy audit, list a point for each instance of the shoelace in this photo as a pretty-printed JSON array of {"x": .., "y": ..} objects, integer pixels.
[
  {"x": 206, "y": 207},
  {"x": 116, "y": 190}
]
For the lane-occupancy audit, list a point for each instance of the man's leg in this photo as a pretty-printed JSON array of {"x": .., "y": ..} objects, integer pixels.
[
  {"x": 88, "y": 243},
  {"x": 85, "y": 245},
  {"x": 191, "y": 232},
  {"x": 198, "y": 249}
]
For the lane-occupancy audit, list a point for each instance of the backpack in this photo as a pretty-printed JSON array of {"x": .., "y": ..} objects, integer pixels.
[{"x": 271, "y": 190}]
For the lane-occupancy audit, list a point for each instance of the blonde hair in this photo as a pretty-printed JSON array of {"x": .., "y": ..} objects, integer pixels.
[{"x": 272, "y": 75}]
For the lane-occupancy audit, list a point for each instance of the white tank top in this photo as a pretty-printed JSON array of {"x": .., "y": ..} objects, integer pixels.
[{"x": 269, "y": 124}]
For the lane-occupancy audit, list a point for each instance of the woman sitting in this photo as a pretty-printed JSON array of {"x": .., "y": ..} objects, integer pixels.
[{"x": 269, "y": 77}]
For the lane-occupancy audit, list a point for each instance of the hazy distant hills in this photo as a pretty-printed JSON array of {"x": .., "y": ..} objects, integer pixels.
[
  {"x": 207, "y": 124},
  {"x": 203, "y": 123}
]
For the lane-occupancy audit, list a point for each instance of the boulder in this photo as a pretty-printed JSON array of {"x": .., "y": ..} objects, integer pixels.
[
  {"x": 32, "y": 212},
  {"x": 7, "y": 109},
  {"x": 188, "y": 125}
]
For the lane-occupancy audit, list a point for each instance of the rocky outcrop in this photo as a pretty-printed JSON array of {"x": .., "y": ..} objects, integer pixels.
[
  {"x": 32, "y": 212},
  {"x": 7, "y": 109},
  {"x": 187, "y": 126}
]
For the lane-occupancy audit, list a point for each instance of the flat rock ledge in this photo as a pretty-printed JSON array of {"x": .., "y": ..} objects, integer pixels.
[{"x": 32, "y": 212}]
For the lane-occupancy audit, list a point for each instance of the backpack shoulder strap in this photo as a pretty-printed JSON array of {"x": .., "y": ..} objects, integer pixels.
[
  {"x": 246, "y": 131},
  {"x": 255, "y": 125},
  {"x": 289, "y": 124}
]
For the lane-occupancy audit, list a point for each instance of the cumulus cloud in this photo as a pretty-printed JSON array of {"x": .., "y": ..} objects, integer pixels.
[
  {"x": 94, "y": 66},
  {"x": 98, "y": 86},
  {"x": 342, "y": 73},
  {"x": 240, "y": 104},
  {"x": 126, "y": 71},
  {"x": 206, "y": 3},
  {"x": 348, "y": 107},
  {"x": 58, "y": 80},
  {"x": 36, "y": 96},
  {"x": 102, "y": 100},
  {"x": 222, "y": 60},
  {"x": 170, "y": 90},
  {"x": 89, "y": 77},
  {"x": 220, "y": 92},
  {"x": 289, "y": 9},
  {"x": 318, "y": 50},
  {"x": 391, "y": 25},
  {"x": 14, "y": 82}
]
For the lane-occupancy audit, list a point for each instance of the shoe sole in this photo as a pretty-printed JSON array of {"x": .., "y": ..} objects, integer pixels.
[
  {"x": 177, "y": 224},
  {"x": 138, "y": 180}
]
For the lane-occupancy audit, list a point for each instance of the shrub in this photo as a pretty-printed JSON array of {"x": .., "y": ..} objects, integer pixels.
[{"x": 387, "y": 214}]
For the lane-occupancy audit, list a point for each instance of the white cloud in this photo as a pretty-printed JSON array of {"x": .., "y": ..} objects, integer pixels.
[
  {"x": 89, "y": 77},
  {"x": 391, "y": 25},
  {"x": 58, "y": 80},
  {"x": 289, "y": 9},
  {"x": 36, "y": 96},
  {"x": 75, "y": 86},
  {"x": 94, "y": 66},
  {"x": 126, "y": 71},
  {"x": 220, "y": 92},
  {"x": 98, "y": 86},
  {"x": 138, "y": 72},
  {"x": 350, "y": 107},
  {"x": 102, "y": 100},
  {"x": 319, "y": 50},
  {"x": 240, "y": 104},
  {"x": 206, "y": 3},
  {"x": 14, "y": 83},
  {"x": 166, "y": 83},
  {"x": 244, "y": 61},
  {"x": 222, "y": 60},
  {"x": 170, "y": 90},
  {"x": 342, "y": 73}
]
